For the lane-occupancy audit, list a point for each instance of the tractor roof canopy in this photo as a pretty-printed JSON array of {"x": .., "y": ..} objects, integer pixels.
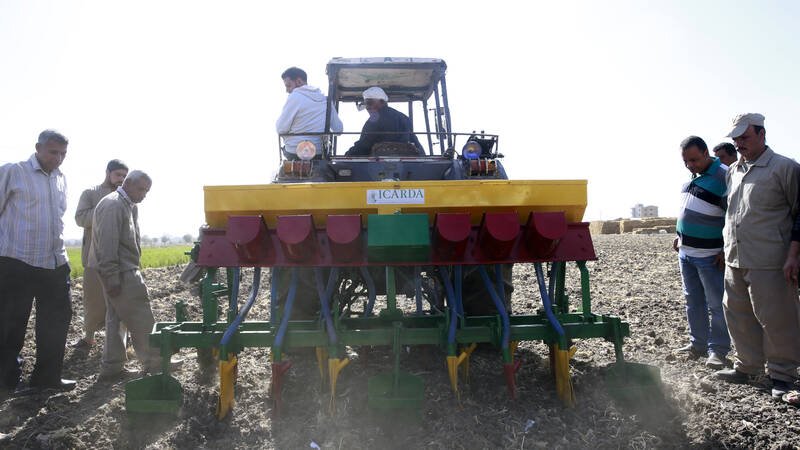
[{"x": 403, "y": 79}]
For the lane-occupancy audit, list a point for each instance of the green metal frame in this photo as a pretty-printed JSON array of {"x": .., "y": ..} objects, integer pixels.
[
  {"x": 391, "y": 327},
  {"x": 378, "y": 330}
]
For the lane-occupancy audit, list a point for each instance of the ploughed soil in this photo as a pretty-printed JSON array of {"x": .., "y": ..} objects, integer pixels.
[{"x": 636, "y": 277}]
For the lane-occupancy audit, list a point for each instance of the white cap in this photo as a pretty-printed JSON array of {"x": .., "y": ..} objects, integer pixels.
[
  {"x": 376, "y": 93},
  {"x": 743, "y": 121}
]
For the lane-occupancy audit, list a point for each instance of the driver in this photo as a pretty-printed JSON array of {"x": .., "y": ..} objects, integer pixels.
[{"x": 382, "y": 118}]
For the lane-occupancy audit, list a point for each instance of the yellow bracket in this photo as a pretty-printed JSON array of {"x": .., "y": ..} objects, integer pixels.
[
  {"x": 322, "y": 355},
  {"x": 227, "y": 379},
  {"x": 563, "y": 380},
  {"x": 453, "y": 362},
  {"x": 513, "y": 347},
  {"x": 465, "y": 364},
  {"x": 335, "y": 365}
]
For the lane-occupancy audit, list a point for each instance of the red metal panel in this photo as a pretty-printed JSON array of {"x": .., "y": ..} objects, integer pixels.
[
  {"x": 498, "y": 233},
  {"x": 248, "y": 235},
  {"x": 544, "y": 231},
  {"x": 451, "y": 233},
  {"x": 298, "y": 237},
  {"x": 344, "y": 235},
  {"x": 217, "y": 251}
]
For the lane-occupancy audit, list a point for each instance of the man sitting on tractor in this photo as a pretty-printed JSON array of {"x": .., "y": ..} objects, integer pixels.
[
  {"x": 385, "y": 124},
  {"x": 304, "y": 112}
]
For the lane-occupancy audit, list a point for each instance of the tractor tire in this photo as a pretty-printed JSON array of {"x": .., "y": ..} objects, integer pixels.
[
  {"x": 475, "y": 297},
  {"x": 306, "y": 299}
]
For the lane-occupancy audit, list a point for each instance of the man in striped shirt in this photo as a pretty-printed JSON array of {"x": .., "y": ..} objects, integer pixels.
[
  {"x": 33, "y": 264},
  {"x": 699, "y": 246}
]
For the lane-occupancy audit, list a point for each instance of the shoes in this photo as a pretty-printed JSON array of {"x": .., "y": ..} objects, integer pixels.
[
  {"x": 60, "y": 385},
  {"x": 691, "y": 350},
  {"x": 791, "y": 398},
  {"x": 107, "y": 377},
  {"x": 780, "y": 388},
  {"x": 732, "y": 376},
  {"x": 37, "y": 387},
  {"x": 81, "y": 344},
  {"x": 715, "y": 361}
]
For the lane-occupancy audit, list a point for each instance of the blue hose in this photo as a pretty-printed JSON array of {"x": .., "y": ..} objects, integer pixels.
[
  {"x": 243, "y": 313},
  {"x": 370, "y": 290},
  {"x": 499, "y": 304},
  {"x": 324, "y": 298},
  {"x": 273, "y": 297},
  {"x": 498, "y": 279},
  {"x": 457, "y": 278},
  {"x": 452, "y": 302},
  {"x": 287, "y": 311},
  {"x": 548, "y": 309},
  {"x": 233, "y": 302}
]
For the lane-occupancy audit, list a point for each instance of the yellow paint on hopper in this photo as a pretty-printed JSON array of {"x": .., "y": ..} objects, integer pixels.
[{"x": 457, "y": 196}]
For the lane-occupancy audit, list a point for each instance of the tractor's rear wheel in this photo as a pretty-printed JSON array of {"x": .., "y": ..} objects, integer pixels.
[
  {"x": 475, "y": 297},
  {"x": 306, "y": 299}
]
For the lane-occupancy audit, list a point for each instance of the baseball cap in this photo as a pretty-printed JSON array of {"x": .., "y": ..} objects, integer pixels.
[{"x": 743, "y": 121}]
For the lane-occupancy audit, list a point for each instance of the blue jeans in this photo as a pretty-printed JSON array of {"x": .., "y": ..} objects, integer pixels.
[{"x": 703, "y": 285}]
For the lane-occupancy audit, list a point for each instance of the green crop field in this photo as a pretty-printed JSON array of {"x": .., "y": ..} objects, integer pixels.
[{"x": 151, "y": 257}]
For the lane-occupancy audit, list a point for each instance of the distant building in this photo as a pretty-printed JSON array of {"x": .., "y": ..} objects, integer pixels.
[{"x": 640, "y": 211}]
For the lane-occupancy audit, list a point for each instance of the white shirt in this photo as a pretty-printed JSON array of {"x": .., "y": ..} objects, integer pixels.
[{"x": 32, "y": 206}]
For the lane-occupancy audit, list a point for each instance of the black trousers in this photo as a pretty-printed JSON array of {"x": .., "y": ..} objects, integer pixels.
[{"x": 20, "y": 283}]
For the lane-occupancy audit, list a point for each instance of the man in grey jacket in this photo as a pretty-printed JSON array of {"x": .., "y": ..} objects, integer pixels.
[
  {"x": 94, "y": 303},
  {"x": 761, "y": 306},
  {"x": 116, "y": 255},
  {"x": 304, "y": 112}
]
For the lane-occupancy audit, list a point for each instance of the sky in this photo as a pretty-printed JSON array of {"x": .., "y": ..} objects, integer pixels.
[{"x": 189, "y": 91}]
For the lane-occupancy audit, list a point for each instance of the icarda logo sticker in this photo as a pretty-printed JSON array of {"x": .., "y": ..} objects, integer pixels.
[{"x": 395, "y": 196}]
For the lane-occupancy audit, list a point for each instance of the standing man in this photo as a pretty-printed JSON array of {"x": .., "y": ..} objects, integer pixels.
[
  {"x": 116, "y": 254},
  {"x": 304, "y": 112},
  {"x": 761, "y": 306},
  {"x": 94, "y": 303},
  {"x": 726, "y": 153},
  {"x": 699, "y": 246},
  {"x": 33, "y": 264}
]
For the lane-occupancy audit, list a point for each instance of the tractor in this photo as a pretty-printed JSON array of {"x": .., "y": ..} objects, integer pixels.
[{"x": 344, "y": 236}]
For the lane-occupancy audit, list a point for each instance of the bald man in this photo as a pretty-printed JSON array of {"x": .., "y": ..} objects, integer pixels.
[{"x": 116, "y": 255}]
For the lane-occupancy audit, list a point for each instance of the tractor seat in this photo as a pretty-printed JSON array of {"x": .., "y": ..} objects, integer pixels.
[{"x": 395, "y": 149}]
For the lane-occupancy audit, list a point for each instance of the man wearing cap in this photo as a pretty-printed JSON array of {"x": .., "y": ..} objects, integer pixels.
[
  {"x": 385, "y": 124},
  {"x": 304, "y": 112},
  {"x": 94, "y": 303},
  {"x": 33, "y": 264},
  {"x": 761, "y": 306},
  {"x": 699, "y": 246}
]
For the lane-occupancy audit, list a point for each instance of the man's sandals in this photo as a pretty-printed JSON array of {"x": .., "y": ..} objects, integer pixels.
[
  {"x": 792, "y": 398},
  {"x": 81, "y": 344}
]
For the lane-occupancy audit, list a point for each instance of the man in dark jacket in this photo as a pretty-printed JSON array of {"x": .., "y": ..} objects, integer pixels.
[{"x": 385, "y": 124}]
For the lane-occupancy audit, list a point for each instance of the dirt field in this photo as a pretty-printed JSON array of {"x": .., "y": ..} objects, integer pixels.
[{"x": 636, "y": 278}]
